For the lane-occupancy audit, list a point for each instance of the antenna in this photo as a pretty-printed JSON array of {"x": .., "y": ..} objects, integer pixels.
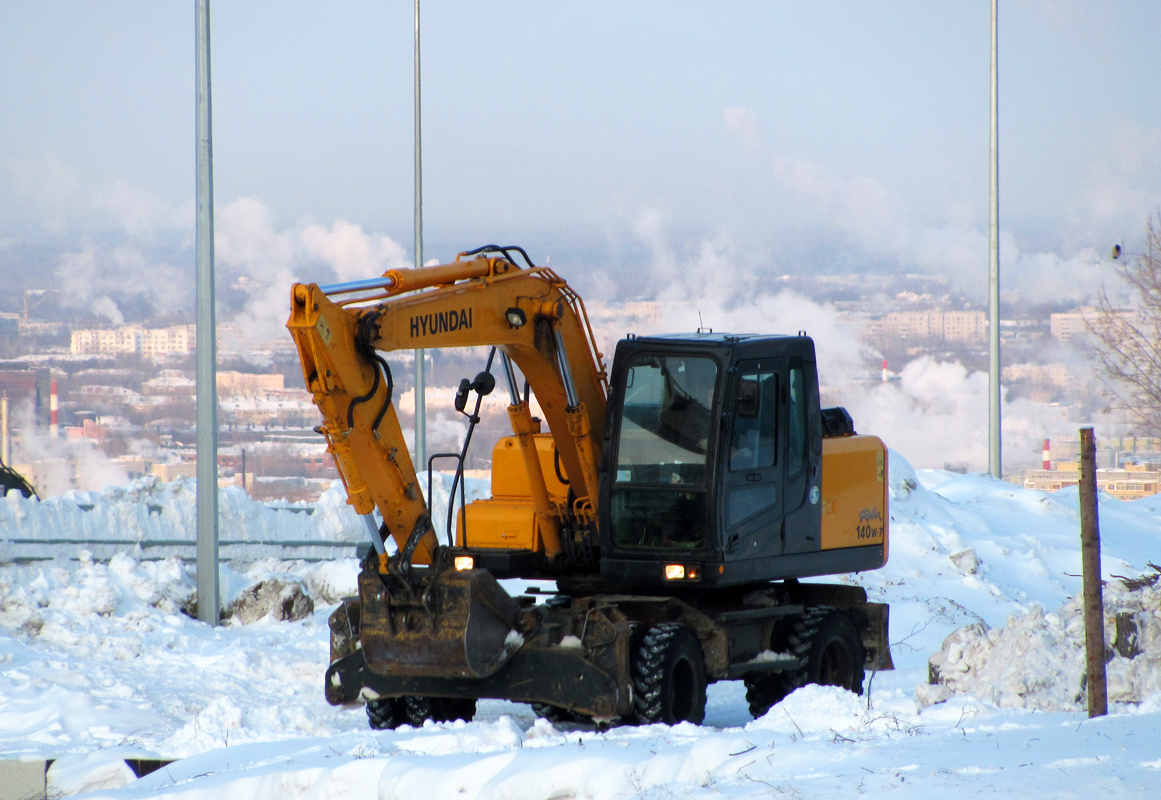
[{"x": 701, "y": 328}]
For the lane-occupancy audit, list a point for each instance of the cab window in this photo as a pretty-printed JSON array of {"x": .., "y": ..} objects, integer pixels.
[
  {"x": 755, "y": 442},
  {"x": 796, "y": 428}
]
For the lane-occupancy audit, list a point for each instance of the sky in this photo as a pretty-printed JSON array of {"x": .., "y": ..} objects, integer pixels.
[{"x": 609, "y": 137}]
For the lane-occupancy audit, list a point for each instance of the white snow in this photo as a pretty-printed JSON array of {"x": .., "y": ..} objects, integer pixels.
[
  {"x": 1037, "y": 660},
  {"x": 98, "y": 664}
]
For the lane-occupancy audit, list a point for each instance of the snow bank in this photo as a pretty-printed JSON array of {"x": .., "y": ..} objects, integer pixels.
[
  {"x": 151, "y": 519},
  {"x": 97, "y": 657},
  {"x": 960, "y": 749},
  {"x": 1037, "y": 660}
]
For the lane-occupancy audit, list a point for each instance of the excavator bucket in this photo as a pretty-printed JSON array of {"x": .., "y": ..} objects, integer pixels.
[{"x": 457, "y": 624}]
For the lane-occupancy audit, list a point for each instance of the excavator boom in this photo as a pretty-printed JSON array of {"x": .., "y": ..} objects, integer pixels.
[{"x": 530, "y": 315}]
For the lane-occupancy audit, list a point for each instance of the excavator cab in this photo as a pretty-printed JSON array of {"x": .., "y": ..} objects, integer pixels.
[{"x": 713, "y": 477}]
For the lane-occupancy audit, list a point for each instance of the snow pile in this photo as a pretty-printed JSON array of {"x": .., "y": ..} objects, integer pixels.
[
  {"x": 800, "y": 749},
  {"x": 59, "y": 599},
  {"x": 98, "y": 658},
  {"x": 1037, "y": 660},
  {"x": 96, "y": 655},
  {"x": 161, "y": 520}
]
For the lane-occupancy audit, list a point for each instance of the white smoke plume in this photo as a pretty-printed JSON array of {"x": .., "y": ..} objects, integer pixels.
[
  {"x": 90, "y": 278},
  {"x": 272, "y": 260},
  {"x": 868, "y": 216},
  {"x": 104, "y": 279},
  {"x": 935, "y": 415},
  {"x": 62, "y": 465},
  {"x": 709, "y": 289}
]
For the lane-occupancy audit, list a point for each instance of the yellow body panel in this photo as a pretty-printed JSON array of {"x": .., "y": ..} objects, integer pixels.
[
  {"x": 509, "y": 479},
  {"x": 854, "y": 492},
  {"x": 507, "y": 521},
  {"x": 505, "y": 524}
]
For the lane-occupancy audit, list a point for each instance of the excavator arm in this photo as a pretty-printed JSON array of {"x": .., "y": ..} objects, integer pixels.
[{"x": 530, "y": 315}]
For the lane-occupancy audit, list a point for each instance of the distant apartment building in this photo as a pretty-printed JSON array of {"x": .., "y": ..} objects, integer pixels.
[
  {"x": 246, "y": 384},
  {"x": 964, "y": 327},
  {"x": 280, "y": 408},
  {"x": 9, "y": 336},
  {"x": 1131, "y": 483},
  {"x": 152, "y": 343},
  {"x": 160, "y": 342},
  {"x": 1065, "y": 325},
  {"x": 1057, "y": 375}
]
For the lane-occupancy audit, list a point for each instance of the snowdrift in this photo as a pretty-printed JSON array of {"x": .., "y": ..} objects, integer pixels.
[
  {"x": 148, "y": 519},
  {"x": 98, "y": 663}
]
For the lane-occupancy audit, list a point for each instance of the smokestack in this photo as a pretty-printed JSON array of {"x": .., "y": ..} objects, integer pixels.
[
  {"x": 4, "y": 430},
  {"x": 884, "y": 370},
  {"x": 53, "y": 427},
  {"x": 1047, "y": 454}
]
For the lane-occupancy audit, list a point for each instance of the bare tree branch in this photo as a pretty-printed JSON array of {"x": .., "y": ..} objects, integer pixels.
[{"x": 1129, "y": 342}]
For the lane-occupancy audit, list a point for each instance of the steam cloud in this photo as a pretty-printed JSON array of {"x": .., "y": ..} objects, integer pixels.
[
  {"x": 68, "y": 464},
  {"x": 873, "y": 220},
  {"x": 247, "y": 240},
  {"x": 102, "y": 279},
  {"x": 935, "y": 415}
]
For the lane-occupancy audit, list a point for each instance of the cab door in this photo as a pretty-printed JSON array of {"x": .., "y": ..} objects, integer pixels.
[
  {"x": 752, "y": 496},
  {"x": 802, "y": 457}
]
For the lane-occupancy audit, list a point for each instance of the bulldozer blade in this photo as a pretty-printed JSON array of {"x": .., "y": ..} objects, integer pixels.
[{"x": 461, "y": 624}]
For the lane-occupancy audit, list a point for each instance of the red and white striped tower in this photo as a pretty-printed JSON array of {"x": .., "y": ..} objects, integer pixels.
[
  {"x": 884, "y": 370},
  {"x": 53, "y": 428},
  {"x": 1047, "y": 454}
]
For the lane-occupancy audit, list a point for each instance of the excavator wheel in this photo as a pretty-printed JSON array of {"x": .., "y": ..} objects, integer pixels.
[
  {"x": 417, "y": 709},
  {"x": 669, "y": 677},
  {"x": 764, "y": 690},
  {"x": 830, "y": 647},
  {"x": 386, "y": 713}
]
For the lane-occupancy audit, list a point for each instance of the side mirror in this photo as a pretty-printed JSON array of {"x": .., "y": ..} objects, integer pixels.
[
  {"x": 462, "y": 395},
  {"x": 748, "y": 401},
  {"x": 484, "y": 383}
]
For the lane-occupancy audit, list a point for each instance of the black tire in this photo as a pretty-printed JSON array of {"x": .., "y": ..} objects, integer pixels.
[
  {"x": 448, "y": 709},
  {"x": 418, "y": 710},
  {"x": 764, "y": 690},
  {"x": 669, "y": 676},
  {"x": 555, "y": 713},
  {"x": 385, "y": 714},
  {"x": 829, "y": 645}
]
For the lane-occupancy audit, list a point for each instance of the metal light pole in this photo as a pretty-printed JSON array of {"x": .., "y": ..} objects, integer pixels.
[
  {"x": 995, "y": 462},
  {"x": 420, "y": 378},
  {"x": 207, "y": 392}
]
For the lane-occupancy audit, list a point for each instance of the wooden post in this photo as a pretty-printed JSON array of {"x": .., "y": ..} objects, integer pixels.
[{"x": 1090, "y": 555}]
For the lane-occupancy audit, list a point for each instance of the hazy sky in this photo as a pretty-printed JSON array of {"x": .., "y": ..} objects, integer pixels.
[{"x": 612, "y": 136}]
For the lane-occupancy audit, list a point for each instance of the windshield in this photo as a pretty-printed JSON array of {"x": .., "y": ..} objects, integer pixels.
[{"x": 665, "y": 422}]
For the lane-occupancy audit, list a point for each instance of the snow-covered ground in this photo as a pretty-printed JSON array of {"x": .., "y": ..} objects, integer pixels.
[{"x": 98, "y": 664}]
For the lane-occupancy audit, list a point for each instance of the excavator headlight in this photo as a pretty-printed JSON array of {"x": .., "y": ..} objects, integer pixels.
[
  {"x": 516, "y": 317},
  {"x": 465, "y": 562},
  {"x": 682, "y": 572}
]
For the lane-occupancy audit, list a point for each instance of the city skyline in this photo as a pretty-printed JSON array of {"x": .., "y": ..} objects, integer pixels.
[{"x": 633, "y": 144}]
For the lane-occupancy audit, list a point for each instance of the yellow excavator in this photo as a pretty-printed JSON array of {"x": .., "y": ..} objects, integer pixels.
[{"x": 671, "y": 508}]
